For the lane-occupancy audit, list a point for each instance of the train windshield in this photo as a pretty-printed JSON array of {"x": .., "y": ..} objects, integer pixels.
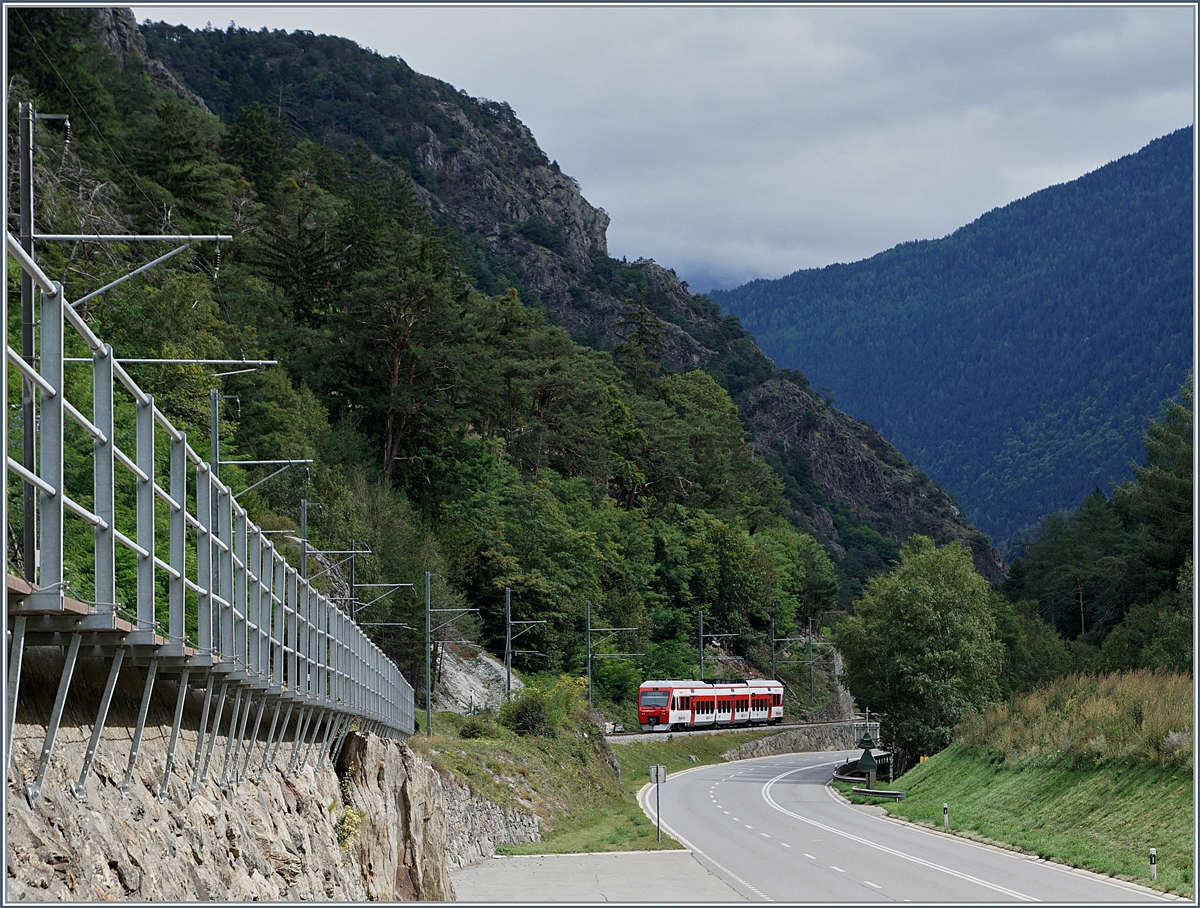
[{"x": 655, "y": 697}]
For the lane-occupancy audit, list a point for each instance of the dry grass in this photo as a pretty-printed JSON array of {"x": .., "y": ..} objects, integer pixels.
[{"x": 1130, "y": 717}]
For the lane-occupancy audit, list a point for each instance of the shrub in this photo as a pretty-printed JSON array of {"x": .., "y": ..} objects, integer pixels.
[
  {"x": 530, "y": 712},
  {"x": 478, "y": 727}
]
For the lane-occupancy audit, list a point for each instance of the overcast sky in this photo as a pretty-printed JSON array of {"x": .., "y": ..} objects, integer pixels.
[{"x": 738, "y": 142}]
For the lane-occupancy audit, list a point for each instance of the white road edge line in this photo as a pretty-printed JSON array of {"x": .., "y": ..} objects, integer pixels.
[
  {"x": 1123, "y": 885},
  {"x": 766, "y": 794},
  {"x": 645, "y": 804}
]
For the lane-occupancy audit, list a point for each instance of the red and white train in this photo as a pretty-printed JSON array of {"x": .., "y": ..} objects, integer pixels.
[{"x": 680, "y": 705}]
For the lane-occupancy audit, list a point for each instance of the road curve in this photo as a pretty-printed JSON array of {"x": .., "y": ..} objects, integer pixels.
[{"x": 774, "y": 831}]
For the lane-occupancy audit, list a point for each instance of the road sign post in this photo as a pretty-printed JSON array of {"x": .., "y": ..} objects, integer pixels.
[{"x": 658, "y": 775}]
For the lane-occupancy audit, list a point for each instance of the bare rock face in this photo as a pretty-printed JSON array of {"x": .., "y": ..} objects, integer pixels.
[
  {"x": 311, "y": 837},
  {"x": 853, "y": 464},
  {"x": 117, "y": 30},
  {"x": 469, "y": 679},
  {"x": 397, "y": 829}
]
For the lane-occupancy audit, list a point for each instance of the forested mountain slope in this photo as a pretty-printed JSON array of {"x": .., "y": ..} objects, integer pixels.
[
  {"x": 1015, "y": 360},
  {"x": 523, "y": 223}
]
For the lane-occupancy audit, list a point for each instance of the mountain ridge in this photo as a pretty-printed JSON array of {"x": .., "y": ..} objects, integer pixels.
[{"x": 1067, "y": 312}]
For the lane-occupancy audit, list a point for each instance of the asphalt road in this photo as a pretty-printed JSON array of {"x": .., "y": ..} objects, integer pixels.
[{"x": 773, "y": 830}]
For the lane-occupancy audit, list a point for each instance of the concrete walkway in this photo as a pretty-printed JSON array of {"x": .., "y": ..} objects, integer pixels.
[{"x": 618, "y": 876}]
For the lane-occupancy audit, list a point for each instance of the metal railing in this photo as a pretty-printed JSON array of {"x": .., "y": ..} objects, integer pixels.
[{"x": 236, "y": 615}]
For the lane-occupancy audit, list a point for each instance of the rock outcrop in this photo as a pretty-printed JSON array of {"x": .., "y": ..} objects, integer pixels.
[
  {"x": 469, "y": 679},
  {"x": 381, "y": 825},
  {"x": 118, "y": 31},
  {"x": 851, "y": 463}
]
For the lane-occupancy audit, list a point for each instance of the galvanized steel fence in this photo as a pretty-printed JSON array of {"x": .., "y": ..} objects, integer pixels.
[{"x": 237, "y": 617}]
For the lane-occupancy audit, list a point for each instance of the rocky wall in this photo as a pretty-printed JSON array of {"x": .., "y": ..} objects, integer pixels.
[
  {"x": 477, "y": 826},
  {"x": 811, "y": 739},
  {"x": 380, "y": 831}
]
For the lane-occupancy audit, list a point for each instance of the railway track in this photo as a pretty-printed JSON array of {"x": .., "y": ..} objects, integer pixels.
[{"x": 630, "y": 736}]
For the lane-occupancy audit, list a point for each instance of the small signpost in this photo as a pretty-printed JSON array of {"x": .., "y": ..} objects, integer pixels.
[
  {"x": 866, "y": 763},
  {"x": 658, "y": 775}
]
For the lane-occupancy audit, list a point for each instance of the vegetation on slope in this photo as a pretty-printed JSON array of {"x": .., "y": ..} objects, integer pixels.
[
  {"x": 521, "y": 223},
  {"x": 1110, "y": 588},
  {"x": 1115, "y": 576},
  {"x": 1021, "y": 352},
  {"x": 1090, "y": 771},
  {"x": 451, "y": 431},
  {"x": 543, "y": 754}
]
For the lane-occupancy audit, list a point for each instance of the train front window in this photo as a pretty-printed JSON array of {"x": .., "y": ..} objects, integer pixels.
[{"x": 655, "y": 697}]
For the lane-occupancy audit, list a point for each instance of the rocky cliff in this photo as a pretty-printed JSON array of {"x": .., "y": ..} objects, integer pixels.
[
  {"x": 851, "y": 463},
  {"x": 380, "y": 825}
]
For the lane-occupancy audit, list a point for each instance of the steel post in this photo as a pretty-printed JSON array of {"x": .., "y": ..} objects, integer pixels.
[
  {"x": 279, "y": 621},
  {"x": 201, "y": 730},
  {"x": 270, "y": 754},
  {"x": 260, "y": 707},
  {"x": 50, "y": 436},
  {"x": 177, "y": 545},
  {"x": 204, "y": 553},
  {"x": 145, "y": 515},
  {"x": 214, "y": 432},
  {"x": 239, "y": 614},
  {"x": 230, "y": 736},
  {"x": 179, "y": 701},
  {"x": 213, "y": 732},
  {"x": 141, "y": 725},
  {"x": 29, "y": 496},
  {"x": 104, "y": 503},
  {"x": 224, "y": 556},
  {"x": 34, "y": 791},
  {"x": 298, "y": 741},
  {"x": 79, "y": 789},
  {"x": 15, "y": 654}
]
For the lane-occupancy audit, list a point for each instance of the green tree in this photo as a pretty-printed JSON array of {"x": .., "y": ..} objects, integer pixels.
[
  {"x": 1161, "y": 493},
  {"x": 256, "y": 142},
  {"x": 921, "y": 647},
  {"x": 182, "y": 183}
]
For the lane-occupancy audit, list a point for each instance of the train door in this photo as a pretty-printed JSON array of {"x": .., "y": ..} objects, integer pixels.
[
  {"x": 741, "y": 706},
  {"x": 724, "y": 707}
]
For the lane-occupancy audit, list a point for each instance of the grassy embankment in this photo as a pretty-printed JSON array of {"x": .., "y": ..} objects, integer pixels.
[
  {"x": 566, "y": 777},
  {"x": 1091, "y": 772}
]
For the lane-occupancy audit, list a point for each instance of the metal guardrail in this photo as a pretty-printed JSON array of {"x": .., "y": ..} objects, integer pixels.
[
  {"x": 880, "y": 793},
  {"x": 239, "y": 619}
]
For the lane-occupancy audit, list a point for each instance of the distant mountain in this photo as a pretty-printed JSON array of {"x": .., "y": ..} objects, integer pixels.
[
  {"x": 1017, "y": 360},
  {"x": 524, "y": 223}
]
